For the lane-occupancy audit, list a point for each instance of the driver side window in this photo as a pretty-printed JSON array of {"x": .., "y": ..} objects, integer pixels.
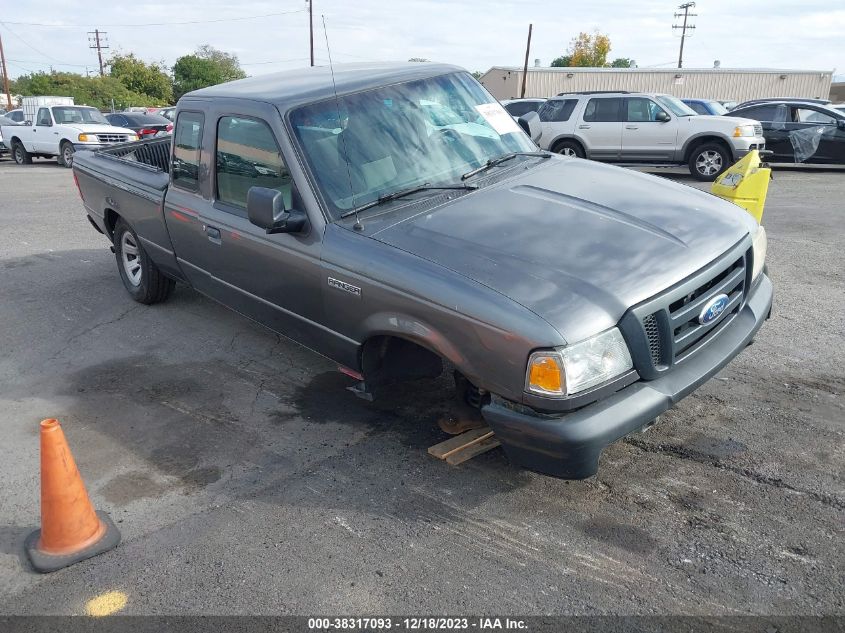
[
  {"x": 43, "y": 117},
  {"x": 642, "y": 110}
]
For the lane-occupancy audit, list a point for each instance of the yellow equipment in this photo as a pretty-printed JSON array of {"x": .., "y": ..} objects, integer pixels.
[{"x": 746, "y": 184}]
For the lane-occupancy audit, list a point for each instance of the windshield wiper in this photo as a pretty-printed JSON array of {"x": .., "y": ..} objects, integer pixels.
[
  {"x": 401, "y": 194},
  {"x": 501, "y": 159}
]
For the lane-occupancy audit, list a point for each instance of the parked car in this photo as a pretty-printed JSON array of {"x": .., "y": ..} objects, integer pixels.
[
  {"x": 729, "y": 104},
  {"x": 144, "y": 125},
  {"x": 518, "y": 107},
  {"x": 15, "y": 115},
  {"x": 800, "y": 131},
  {"x": 59, "y": 130},
  {"x": 706, "y": 106},
  {"x": 644, "y": 128},
  {"x": 4, "y": 120},
  {"x": 781, "y": 100},
  {"x": 168, "y": 113},
  {"x": 576, "y": 301}
]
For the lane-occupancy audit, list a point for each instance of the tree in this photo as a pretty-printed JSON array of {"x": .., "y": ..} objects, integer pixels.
[
  {"x": 623, "y": 62},
  {"x": 589, "y": 50},
  {"x": 97, "y": 91},
  {"x": 207, "y": 67},
  {"x": 148, "y": 79},
  {"x": 478, "y": 74},
  {"x": 562, "y": 61}
]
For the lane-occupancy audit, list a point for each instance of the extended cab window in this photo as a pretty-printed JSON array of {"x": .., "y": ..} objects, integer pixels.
[
  {"x": 641, "y": 109},
  {"x": 557, "y": 110},
  {"x": 247, "y": 156},
  {"x": 603, "y": 110},
  {"x": 187, "y": 141}
]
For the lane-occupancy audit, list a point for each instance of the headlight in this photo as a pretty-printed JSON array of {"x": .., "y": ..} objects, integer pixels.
[
  {"x": 758, "y": 252},
  {"x": 574, "y": 368},
  {"x": 744, "y": 130},
  {"x": 84, "y": 138}
]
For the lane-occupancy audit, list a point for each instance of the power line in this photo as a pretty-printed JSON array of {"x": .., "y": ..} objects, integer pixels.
[
  {"x": 238, "y": 19},
  {"x": 684, "y": 28},
  {"x": 29, "y": 45}
]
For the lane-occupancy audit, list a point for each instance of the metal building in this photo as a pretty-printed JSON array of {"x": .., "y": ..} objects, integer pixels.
[{"x": 706, "y": 83}]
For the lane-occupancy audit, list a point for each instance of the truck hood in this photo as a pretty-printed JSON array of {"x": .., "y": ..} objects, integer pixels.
[
  {"x": 575, "y": 241},
  {"x": 98, "y": 128}
]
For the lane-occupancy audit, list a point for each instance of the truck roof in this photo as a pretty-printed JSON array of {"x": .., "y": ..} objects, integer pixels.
[{"x": 294, "y": 87}]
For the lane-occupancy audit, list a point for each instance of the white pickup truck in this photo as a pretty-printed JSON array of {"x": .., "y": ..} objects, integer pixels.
[{"x": 59, "y": 130}]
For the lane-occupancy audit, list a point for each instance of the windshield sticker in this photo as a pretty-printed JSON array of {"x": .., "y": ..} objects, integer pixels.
[{"x": 498, "y": 118}]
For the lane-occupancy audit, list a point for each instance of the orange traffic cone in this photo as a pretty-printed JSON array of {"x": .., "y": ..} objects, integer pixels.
[{"x": 71, "y": 530}]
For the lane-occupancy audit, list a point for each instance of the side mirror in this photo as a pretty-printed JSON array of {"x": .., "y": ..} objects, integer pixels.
[
  {"x": 266, "y": 209},
  {"x": 663, "y": 117},
  {"x": 840, "y": 123},
  {"x": 530, "y": 122},
  {"x": 27, "y": 122}
]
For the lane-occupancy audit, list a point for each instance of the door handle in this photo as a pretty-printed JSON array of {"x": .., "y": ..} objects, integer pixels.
[
  {"x": 213, "y": 233},
  {"x": 583, "y": 127},
  {"x": 632, "y": 127}
]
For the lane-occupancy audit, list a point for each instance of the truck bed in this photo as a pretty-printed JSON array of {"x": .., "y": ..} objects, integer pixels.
[
  {"x": 142, "y": 164},
  {"x": 130, "y": 180}
]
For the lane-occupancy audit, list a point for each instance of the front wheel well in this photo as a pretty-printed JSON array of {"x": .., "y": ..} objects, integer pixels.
[
  {"x": 701, "y": 140},
  {"x": 387, "y": 359}
]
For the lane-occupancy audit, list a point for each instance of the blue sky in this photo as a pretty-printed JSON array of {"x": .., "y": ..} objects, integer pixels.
[{"x": 470, "y": 33}]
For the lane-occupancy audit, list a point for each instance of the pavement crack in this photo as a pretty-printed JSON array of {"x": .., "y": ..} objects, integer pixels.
[
  {"x": 682, "y": 452},
  {"x": 69, "y": 342}
]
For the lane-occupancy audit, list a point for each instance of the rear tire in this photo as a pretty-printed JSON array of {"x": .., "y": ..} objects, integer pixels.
[
  {"x": 572, "y": 149},
  {"x": 19, "y": 153},
  {"x": 708, "y": 160},
  {"x": 142, "y": 279},
  {"x": 65, "y": 158}
]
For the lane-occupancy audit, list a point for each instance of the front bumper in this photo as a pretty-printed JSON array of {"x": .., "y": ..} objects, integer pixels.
[
  {"x": 91, "y": 146},
  {"x": 744, "y": 144},
  {"x": 569, "y": 446}
]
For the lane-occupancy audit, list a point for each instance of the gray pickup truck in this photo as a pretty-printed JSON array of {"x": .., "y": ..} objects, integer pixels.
[{"x": 396, "y": 219}]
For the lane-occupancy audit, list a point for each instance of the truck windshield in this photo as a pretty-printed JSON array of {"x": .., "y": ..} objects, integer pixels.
[
  {"x": 77, "y": 114},
  {"x": 367, "y": 145}
]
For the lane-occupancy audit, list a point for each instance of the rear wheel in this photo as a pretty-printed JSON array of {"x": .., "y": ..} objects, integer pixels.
[
  {"x": 569, "y": 148},
  {"x": 19, "y": 153},
  {"x": 708, "y": 160},
  {"x": 141, "y": 277},
  {"x": 66, "y": 154}
]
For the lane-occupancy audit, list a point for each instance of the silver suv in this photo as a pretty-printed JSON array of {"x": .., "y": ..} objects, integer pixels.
[{"x": 626, "y": 127}]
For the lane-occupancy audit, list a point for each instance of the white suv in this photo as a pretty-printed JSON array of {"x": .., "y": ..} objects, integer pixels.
[{"x": 625, "y": 127}]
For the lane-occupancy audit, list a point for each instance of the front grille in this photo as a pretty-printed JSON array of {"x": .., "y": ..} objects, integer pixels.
[
  {"x": 112, "y": 138},
  {"x": 758, "y": 130},
  {"x": 684, "y": 313},
  {"x": 666, "y": 329}
]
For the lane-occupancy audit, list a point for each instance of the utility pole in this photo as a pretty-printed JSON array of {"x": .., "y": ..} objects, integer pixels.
[
  {"x": 98, "y": 41},
  {"x": 525, "y": 67},
  {"x": 311, "y": 27},
  {"x": 5, "y": 76},
  {"x": 684, "y": 27}
]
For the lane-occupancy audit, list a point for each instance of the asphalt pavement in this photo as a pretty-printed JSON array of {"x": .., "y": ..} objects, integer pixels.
[{"x": 246, "y": 480}]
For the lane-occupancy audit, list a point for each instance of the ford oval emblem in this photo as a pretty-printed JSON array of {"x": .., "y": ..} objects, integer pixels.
[{"x": 713, "y": 309}]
